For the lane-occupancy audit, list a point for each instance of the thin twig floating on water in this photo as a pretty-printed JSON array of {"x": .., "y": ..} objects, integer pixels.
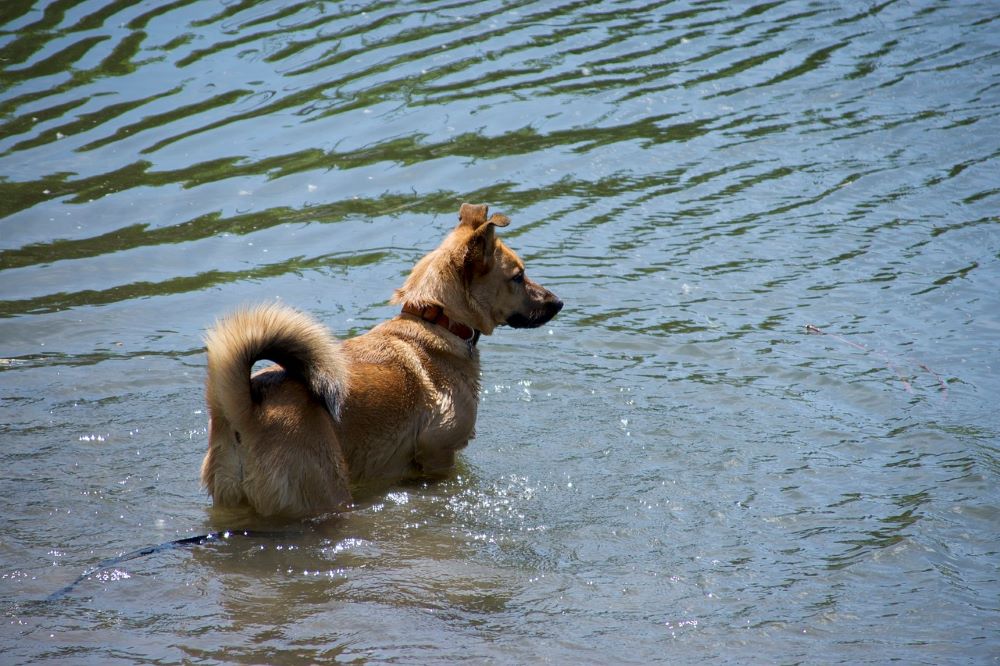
[
  {"x": 941, "y": 382},
  {"x": 811, "y": 328}
]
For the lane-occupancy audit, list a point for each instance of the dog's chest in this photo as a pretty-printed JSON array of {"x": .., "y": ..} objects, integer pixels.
[{"x": 453, "y": 416}]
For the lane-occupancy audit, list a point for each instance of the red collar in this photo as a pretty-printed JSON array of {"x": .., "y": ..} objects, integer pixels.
[{"x": 435, "y": 314}]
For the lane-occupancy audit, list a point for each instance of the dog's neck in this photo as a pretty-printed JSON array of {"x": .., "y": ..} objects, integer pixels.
[{"x": 435, "y": 314}]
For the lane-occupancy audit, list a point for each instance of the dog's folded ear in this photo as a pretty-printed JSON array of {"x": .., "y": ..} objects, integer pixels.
[{"x": 498, "y": 220}]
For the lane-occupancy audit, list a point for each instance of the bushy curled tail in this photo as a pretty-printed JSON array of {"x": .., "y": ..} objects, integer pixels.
[{"x": 298, "y": 343}]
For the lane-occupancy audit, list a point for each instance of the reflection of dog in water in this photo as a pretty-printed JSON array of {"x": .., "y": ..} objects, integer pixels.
[{"x": 396, "y": 402}]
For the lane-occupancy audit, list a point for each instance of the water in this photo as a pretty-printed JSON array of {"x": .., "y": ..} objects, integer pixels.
[{"x": 675, "y": 469}]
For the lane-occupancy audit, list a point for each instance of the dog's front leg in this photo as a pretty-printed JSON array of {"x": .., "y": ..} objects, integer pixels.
[{"x": 435, "y": 455}]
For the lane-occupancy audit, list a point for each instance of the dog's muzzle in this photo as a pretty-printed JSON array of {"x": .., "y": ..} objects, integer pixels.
[{"x": 537, "y": 316}]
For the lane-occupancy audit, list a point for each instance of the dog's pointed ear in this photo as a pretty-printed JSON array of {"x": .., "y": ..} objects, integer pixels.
[
  {"x": 472, "y": 215},
  {"x": 479, "y": 252}
]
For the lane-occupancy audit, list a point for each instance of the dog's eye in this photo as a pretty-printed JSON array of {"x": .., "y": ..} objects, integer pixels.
[{"x": 518, "y": 278}]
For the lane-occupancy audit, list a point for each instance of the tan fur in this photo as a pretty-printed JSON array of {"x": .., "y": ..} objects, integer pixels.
[{"x": 398, "y": 401}]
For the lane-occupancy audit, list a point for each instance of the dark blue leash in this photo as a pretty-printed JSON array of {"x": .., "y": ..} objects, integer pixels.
[{"x": 199, "y": 540}]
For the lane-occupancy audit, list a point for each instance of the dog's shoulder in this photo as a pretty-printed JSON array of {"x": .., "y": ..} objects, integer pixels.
[
  {"x": 402, "y": 337},
  {"x": 414, "y": 349}
]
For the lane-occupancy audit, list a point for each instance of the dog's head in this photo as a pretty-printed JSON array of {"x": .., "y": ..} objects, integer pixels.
[{"x": 477, "y": 279}]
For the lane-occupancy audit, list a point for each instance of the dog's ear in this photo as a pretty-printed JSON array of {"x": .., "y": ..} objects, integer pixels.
[
  {"x": 482, "y": 242},
  {"x": 474, "y": 216}
]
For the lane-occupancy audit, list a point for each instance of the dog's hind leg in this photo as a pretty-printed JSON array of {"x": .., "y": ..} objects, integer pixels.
[
  {"x": 222, "y": 468},
  {"x": 292, "y": 463}
]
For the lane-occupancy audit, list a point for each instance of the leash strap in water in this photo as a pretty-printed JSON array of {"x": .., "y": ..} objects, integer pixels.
[{"x": 199, "y": 540}]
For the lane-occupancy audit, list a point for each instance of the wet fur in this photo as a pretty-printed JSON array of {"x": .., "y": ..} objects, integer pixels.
[{"x": 398, "y": 401}]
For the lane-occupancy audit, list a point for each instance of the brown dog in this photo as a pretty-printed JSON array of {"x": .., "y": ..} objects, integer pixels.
[{"x": 396, "y": 402}]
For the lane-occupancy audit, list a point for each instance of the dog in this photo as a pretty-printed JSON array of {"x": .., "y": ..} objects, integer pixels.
[{"x": 395, "y": 403}]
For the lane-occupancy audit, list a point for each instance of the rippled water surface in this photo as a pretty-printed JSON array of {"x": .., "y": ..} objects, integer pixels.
[{"x": 764, "y": 428}]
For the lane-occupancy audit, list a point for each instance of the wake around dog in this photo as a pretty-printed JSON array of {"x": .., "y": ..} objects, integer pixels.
[{"x": 396, "y": 402}]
